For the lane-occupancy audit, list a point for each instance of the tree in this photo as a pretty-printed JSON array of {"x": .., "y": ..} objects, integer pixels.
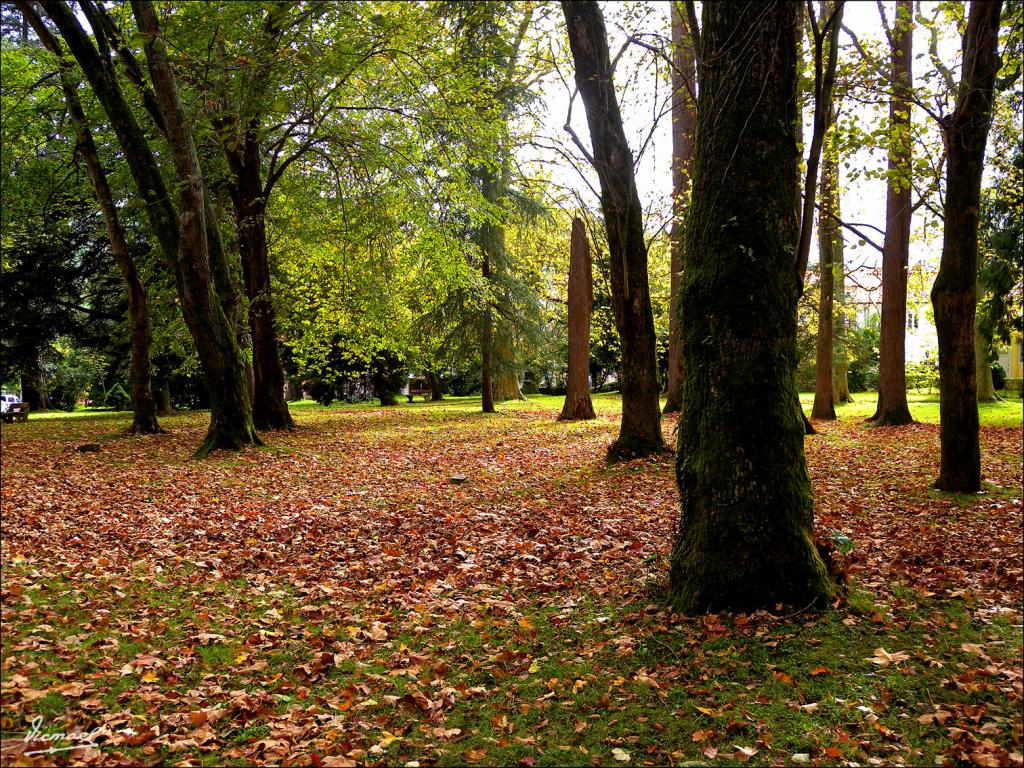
[
  {"x": 954, "y": 294},
  {"x": 892, "y": 407},
  {"x": 828, "y": 235},
  {"x": 745, "y": 532},
  {"x": 581, "y": 298},
  {"x": 640, "y": 429},
  {"x": 144, "y": 416},
  {"x": 684, "y": 118},
  {"x": 182, "y": 228}
]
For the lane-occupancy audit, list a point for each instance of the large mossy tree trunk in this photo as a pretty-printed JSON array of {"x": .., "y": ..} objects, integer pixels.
[
  {"x": 506, "y": 374},
  {"x": 684, "y": 124},
  {"x": 640, "y": 429},
  {"x": 745, "y": 533},
  {"x": 577, "y": 405},
  {"x": 249, "y": 199},
  {"x": 892, "y": 409},
  {"x": 954, "y": 293},
  {"x": 144, "y": 408},
  {"x": 180, "y": 229}
]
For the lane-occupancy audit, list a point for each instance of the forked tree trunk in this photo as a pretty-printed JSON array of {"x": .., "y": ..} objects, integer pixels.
[
  {"x": 436, "y": 391},
  {"x": 684, "y": 124},
  {"x": 32, "y": 391},
  {"x": 183, "y": 239},
  {"x": 577, "y": 403},
  {"x": 144, "y": 412},
  {"x": 269, "y": 407},
  {"x": 892, "y": 407},
  {"x": 640, "y": 429},
  {"x": 744, "y": 538},
  {"x": 954, "y": 294}
]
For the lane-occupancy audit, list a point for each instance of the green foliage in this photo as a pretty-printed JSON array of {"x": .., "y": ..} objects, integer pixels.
[
  {"x": 69, "y": 372},
  {"x": 923, "y": 376}
]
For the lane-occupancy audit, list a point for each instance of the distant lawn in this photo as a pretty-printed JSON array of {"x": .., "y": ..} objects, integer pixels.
[{"x": 924, "y": 407}]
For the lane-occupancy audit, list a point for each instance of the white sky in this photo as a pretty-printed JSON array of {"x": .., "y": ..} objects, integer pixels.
[{"x": 863, "y": 201}]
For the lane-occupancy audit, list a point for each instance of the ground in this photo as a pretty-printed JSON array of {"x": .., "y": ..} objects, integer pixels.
[{"x": 334, "y": 599}]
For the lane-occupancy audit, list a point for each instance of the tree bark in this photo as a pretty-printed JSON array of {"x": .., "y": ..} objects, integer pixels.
[
  {"x": 144, "y": 412},
  {"x": 640, "y": 429},
  {"x": 577, "y": 403},
  {"x": 486, "y": 338},
  {"x": 954, "y": 294},
  {"x": 684, "y": 124},
  {"x": 744, "y": 539},
  {"x": 436, "y": 391},
  {"x": 269, "y": 407},
  {"x": 892, "y": 407}
]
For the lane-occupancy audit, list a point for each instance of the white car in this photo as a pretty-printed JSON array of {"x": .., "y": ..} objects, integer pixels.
[{"x": 6, "y": 401}]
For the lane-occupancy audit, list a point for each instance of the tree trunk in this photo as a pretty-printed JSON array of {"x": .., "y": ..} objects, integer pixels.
[
  {"x": 163, "y": 401},
  {"x": 436, "y": 391},
  {"x": 183, "y": 239},
  {"x": 684, "y": 120},
  {"x": 983, "y": 368},
  {"x": 892, "y": 380},
  {"x": 144, "y": 415},
  {"x": 231, "y": 424},
  {"x": 486, "y": 340},
  {"x": 954, "y": 294},
  {"x": 840, "y": 362},
  {"x": 32, "y": 390},
  {"x": 506, "y": 377},
  {"x": 745, "y": 534},
  {"x": 640, "y": 429},
  {"x": 269, "y": 407},
  {"x": 577, "y": 403},
  {"x": 828, "y": 234}
]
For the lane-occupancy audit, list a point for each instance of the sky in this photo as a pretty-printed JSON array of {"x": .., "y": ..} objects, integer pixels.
[{"x": 642, "y": 86}]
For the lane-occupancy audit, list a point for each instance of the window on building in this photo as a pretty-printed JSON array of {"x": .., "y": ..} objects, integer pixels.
[{"x": 911, "y": 320}]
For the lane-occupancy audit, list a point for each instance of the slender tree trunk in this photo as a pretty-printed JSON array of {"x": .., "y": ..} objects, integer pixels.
[
  {"x": 486, "y": 341},
  {"x": 892, "y": 380},
  {"x": 640, "y": 429},
  {"x": 954, "y": 294},
  {"x": 577, "y": 403},
  {"x": 744, "y": 538},
  {"x": 144, "y": 415},
  {"x": 269, "y": 407},
  {"x": 684, "y": 124},
  {"x": 828, "y": 234},
  {"x": 436, "y": 391},
  {"x": 840, "y": 362}
]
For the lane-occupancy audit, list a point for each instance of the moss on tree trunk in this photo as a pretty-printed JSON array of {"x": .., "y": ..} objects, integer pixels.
[{"x": 745, "y": 534}]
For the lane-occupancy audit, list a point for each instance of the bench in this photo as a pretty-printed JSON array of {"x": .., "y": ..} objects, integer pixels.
[
  {"x": 16, "y": 412},
  {"x": 418, "y": 387}
]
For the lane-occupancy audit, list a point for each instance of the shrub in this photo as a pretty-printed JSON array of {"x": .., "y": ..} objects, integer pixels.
[
  {"x": 922, "y": 376},
  {"x": 1015, "y": 385},
  {"x": 998, "y": 376}
]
